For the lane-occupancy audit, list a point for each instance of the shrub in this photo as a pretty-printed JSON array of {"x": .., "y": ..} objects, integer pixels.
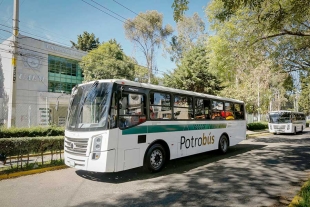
[
  {"x": 257, "y": 126},
  {"x": 23, "y": 147},
  {"x": 31, "y": 132},
  {"x": 29, "y": 145}
]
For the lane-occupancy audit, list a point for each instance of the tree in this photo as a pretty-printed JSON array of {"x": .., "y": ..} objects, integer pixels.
[
  {"x": 147, "y": 31},
  {"x": 191, "y": 33},
  {"x": 179, "y": 7},
  {"x": 86, "y": 42},
  {"x": 193, "y": 74},
  {"x": 108, "y": 61}
]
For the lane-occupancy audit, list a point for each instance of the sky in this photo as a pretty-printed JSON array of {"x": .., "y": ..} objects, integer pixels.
[{"x": 60, "y": 21}]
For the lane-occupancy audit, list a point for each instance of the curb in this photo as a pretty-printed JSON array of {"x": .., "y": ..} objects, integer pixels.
[
  {"x": 257, "y": 135},
  {"x": 31, "y": 172},
  {"x": 297, "y": 198}
]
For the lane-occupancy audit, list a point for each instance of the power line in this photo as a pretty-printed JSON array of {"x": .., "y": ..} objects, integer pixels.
[
  {"x": 97, "y": 54},
  {"x": 38, "y": 36}
]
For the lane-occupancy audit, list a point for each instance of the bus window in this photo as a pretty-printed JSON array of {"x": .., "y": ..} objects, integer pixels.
[
  {"x": 217, "y": 108},
  {"x": 202, "y": 109},
  {"x": 228, "y": 114},
  {"x": 239, "y": 111},
  {"x": 131, "y": 110},
  {"x": 160, "y": 106},
  {"x": 183, "y": 107}
]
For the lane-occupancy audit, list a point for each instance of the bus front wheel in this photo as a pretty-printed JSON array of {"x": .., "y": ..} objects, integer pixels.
[
  {"x": 155, "y": 158},
  {"x": 223, "y": 144}
]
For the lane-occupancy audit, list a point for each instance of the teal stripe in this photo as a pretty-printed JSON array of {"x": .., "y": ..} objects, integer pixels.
[{"x": 170, "y": 128}]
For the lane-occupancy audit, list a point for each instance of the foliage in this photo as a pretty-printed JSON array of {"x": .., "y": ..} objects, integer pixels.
[
  {"x": 147, "y": 32},
  {"x": 31, "y": 132},
  {"x": 25, "y": 146},
  {"x": 108, "y": 61},
  {"x": 191, "y": 33},
  {"x": 86, "y": 42},
  {"x": 304, "y": 100},
  {"x": 303, "y": 197},
  {"x": 193, "y": 74},
  {"x": 179, "y": 7},
  {"x": 257, "y": 126}
]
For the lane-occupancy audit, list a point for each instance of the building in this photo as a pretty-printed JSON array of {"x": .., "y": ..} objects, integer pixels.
[{"x": 45, "y": 74}]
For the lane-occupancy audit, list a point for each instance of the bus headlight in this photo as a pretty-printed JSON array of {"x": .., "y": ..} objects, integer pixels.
[
  {"x": 97, "y": 140},
  {"x": 288, "y": 127}
]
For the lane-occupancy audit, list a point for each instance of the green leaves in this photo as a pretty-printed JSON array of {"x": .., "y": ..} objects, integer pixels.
[
  {"x": 147, "y": 32},
  {"x": 193, "y": 74},
  {"x": 108, "y": 61},
  {"x": 86, "y": 42}
]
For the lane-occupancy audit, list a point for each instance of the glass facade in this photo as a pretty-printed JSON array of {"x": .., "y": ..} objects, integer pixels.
[{"x": 63, "y": 74}]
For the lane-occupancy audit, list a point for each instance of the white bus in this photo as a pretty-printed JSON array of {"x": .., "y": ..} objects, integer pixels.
[
  {"x": 116, "y": 125},
  {"x": 286, "y": 122}
]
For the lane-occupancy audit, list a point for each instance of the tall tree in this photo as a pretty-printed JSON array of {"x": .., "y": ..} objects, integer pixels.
[
  {"x": 86, "y": 42},
  {"x": 147, "y": 32},
  {"x": 108, "y": 61},
  {"x": 193, "y": 74},
  {"x": 190, "y": 33}
]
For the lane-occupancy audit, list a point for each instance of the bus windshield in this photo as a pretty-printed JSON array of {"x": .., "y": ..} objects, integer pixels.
[
  {"x": 89, "y": 106},
  {"x": 283, "y": 117}
]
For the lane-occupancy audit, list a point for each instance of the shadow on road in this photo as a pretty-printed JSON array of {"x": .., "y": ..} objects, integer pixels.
[
  {"x": 249, "y": 175},
  {"x": 174, "y": 166}
]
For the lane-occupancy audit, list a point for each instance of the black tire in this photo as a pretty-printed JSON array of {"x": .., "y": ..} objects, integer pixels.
[
  {"x": 223, "y": 144},
  {"x": 302, "y": 129},
  {"x": 155, "y": 158},
  {"x": 295, "y": 131}
]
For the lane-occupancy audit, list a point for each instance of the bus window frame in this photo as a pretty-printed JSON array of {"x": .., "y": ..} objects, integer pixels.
[
  {"x": 173, "y": 106},
  {"x": 141, "y": 91},
  {"x": 150, "y": 105}
]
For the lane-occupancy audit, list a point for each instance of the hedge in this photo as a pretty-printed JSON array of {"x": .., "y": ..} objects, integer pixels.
[
  {"x": 257, "y": 126},
  {"x": 30, "y": 145},
  {"x": 23, "y": 147},
  {"x": 31, "y": 132}
]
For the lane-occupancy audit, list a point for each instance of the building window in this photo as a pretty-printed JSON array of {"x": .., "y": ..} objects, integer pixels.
[{"x": 63, "y": 74}]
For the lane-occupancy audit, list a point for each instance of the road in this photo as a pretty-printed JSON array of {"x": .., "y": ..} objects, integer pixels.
[{"x": 265, "y": 171}]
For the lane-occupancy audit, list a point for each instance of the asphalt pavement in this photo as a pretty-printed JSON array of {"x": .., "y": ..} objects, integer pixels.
[{"x": 263, "y": 171}]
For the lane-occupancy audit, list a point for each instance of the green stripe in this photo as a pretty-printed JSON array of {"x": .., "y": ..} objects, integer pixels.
[{"x": 170, "y": 128}]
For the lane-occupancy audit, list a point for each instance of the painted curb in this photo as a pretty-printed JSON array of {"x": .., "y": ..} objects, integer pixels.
[
  {"x": 31, "y": 172},
  {"x": 297, "y": 198}
]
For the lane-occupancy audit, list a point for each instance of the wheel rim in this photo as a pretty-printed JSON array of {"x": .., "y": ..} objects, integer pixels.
[
  {"x": 223, "y": 143},
  {"x": 156, "y": 158}
]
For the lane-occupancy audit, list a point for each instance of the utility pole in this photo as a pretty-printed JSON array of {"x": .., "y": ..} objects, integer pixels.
[{"x": 12, "y": 108}]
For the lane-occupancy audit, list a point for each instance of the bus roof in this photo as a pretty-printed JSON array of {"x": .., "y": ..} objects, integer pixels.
[{"x": 166, "y": 89}]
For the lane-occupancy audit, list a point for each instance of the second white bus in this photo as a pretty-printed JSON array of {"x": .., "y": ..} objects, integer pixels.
[{"x": 286, "y": 122}]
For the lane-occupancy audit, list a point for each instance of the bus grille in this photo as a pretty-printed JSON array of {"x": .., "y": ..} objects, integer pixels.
[
  {"x": 76, "y": 146},
  {"x": 279, "y": 126}
]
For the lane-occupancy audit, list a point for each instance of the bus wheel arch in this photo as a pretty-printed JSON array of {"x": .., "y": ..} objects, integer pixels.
[
  {"x": 156, "y": 145},
  {"x": 224, "y": 139}
]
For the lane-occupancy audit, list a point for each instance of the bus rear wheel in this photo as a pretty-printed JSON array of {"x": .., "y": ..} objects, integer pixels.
[
  {"x": 295, "y": 131},
  {"x": 155, "y": 158},
  {"x": 223, "y": 144}
]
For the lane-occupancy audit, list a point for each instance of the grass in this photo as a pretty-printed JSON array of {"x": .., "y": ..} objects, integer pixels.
[
  {"x": 30, "y": 166},
  {"x": 303, "y": 198}
]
